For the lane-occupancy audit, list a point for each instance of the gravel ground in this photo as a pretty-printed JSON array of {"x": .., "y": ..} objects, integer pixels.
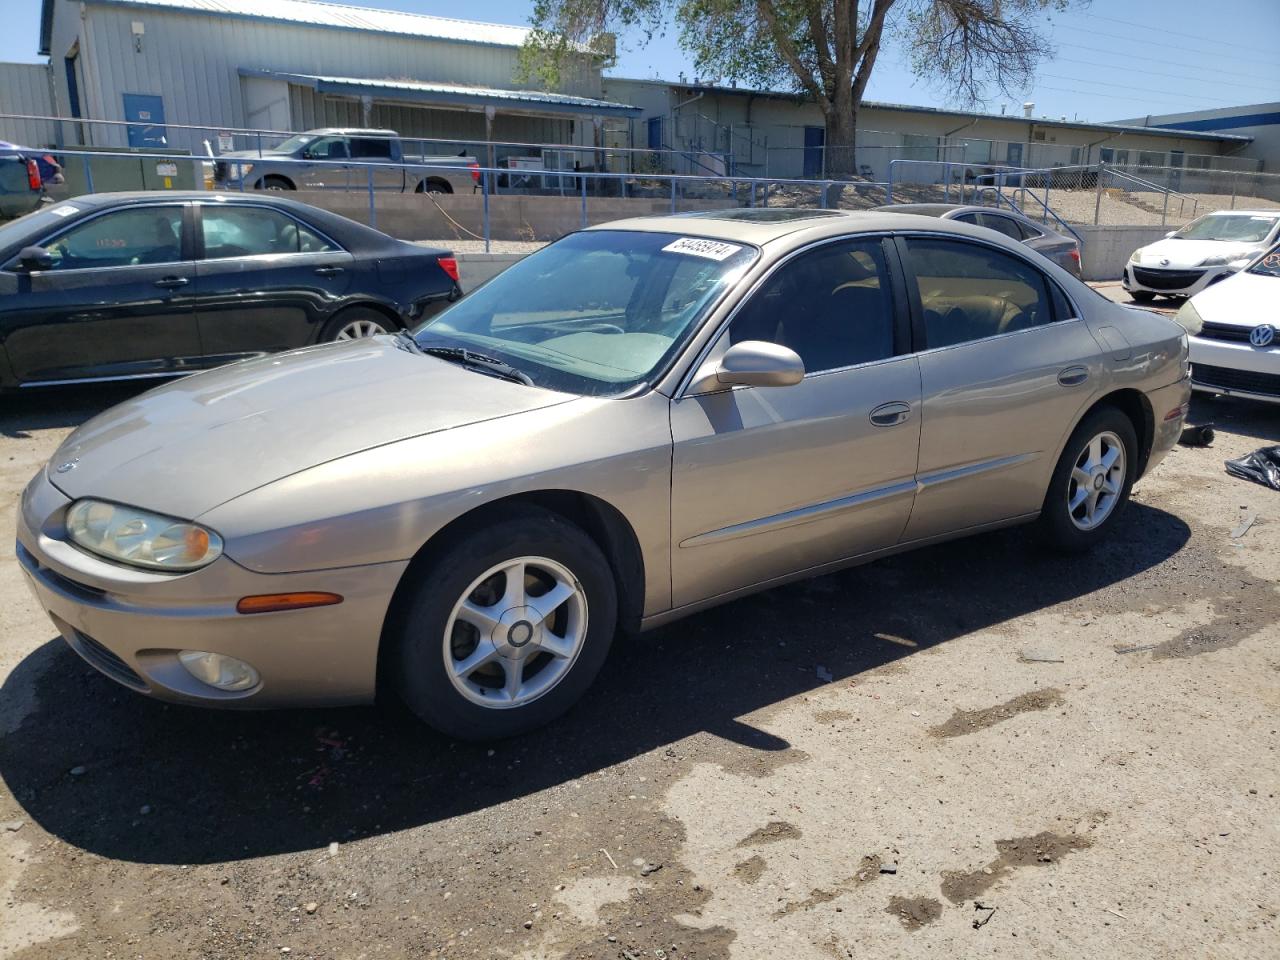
[{"x": 974, "y": 750}]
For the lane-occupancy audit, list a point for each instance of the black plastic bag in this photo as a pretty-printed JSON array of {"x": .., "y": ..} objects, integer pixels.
[{"x": 1261, "y": 466}]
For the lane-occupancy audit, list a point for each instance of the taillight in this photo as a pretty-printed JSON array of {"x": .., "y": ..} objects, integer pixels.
[
  {"x": 33, "y": 175},
  {"x": 450, "y": 266},
  {"x": 475, "y": 170},
  {"x": 1075, "y": 255}
]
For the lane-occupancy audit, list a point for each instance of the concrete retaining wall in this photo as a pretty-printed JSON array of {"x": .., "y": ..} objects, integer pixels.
[
  {"x": 475, "y": 268},
  {"x": 415, "y": 216},
  {"x": 1105, "y": 250}
]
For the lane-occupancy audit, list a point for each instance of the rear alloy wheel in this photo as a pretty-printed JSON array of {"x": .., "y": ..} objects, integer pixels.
[
  {"x": 507, "y": 627},
  {"x": 358, "y": 324},
  {"x": 1091, "y": 481}
]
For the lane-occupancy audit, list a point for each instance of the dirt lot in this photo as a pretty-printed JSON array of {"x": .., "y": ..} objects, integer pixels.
[{"x": 976, "y": 750}]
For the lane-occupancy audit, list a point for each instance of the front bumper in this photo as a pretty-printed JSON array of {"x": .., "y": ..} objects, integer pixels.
[
  {"x": 130, "y": 624},
  {"x": 1236, "y": 369},
  {"x": 1174, "y": 283}
]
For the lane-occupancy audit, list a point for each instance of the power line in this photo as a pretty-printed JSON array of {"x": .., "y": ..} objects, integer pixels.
[
  {"x": 1194, "y": 36},
  {"x": 1106, "y": 96},
  {"x": 1156, "y": 73},
  {"x": 1160, "y": 60},
  {"x": 1129, "y": 86},
  {"x": 1183, "y": 47}
]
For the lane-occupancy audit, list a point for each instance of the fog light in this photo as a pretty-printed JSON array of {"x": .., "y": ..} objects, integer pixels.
[{"x": 217, "y": 670}]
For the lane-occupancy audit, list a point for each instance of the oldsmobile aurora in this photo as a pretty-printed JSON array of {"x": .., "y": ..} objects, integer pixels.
[{"x": 639, "y": 421}]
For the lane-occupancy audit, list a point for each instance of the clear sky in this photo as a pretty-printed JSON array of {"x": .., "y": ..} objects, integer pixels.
[{"x": 1115, "y": 59}]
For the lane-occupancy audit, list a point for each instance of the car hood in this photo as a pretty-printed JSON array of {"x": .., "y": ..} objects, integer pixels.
[
  {"x": 187, "y": 447},
  {"x": 1243, "y": 300},
  {"x": 1183, "y": 254},
  {"x": 264, "y": 154}
]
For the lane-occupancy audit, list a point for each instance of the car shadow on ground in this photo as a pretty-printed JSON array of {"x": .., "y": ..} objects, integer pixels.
[
  {"x": 54, "y": 407},
  {"x": 1248, "y": 418},
  {"x": 225, "y": 786}
]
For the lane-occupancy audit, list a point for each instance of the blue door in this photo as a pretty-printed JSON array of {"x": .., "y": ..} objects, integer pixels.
[
  {"x": 655, "y": 133},
  {"x": 145, "y": 113},
  {"x": 815, "y": 139}
]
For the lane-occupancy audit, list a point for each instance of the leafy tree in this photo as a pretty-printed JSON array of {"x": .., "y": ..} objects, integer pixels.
[{"x": 826, "y": 49}]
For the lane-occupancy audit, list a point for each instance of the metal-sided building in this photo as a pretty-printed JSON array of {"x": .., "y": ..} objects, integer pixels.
[
  {"x": 152, "y": 66},
  {"x": 777, "y": 134}
]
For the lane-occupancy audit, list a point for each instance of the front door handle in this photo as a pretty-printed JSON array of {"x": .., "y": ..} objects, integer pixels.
[
  {"x": 170, "y": 283},
  {"x": 328, "y": 271},
  {"x": 1073, "y": 376},
  {"x": 890, "y": 414}
]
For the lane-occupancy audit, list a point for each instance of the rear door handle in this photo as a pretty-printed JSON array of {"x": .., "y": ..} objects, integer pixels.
[
  {"x": 328, "y": 271},
  {"x": 1073, "y": 376},
  {"x": 169, "y": 283},
  {"x": 890, "y": 414}
]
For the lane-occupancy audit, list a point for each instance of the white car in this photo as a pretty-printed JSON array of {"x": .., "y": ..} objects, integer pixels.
[
  {"x": 1234, "y": 332},
  {"x": 1206, "y": 250}
]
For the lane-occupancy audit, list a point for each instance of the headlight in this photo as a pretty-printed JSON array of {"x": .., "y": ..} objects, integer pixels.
[
  {"x": 1136, "y": 256},
  {"x": 141, "y": 539},
  {"x": 1189, "y": 318},
  {"x": 243, "y": 169}
]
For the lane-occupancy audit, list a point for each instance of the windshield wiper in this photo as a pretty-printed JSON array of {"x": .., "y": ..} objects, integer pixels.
[{"x": 478, "y": 361}]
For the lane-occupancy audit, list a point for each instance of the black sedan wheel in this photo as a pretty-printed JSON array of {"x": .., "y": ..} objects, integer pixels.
[{"x": 356, "y": 324}]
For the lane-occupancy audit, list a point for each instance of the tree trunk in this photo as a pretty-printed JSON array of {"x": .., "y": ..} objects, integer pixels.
[{"x": 842, "y": 125}]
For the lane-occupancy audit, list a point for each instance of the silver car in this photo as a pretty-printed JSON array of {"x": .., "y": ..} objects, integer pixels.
[
  {"x": 1061, "y": 249},
  {"x": 637, "y": 422}
]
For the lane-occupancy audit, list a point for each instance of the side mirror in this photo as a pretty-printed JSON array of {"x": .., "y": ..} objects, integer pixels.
[
  {"x": 752, "y": 363},
  {"x": 34, "y": 258},
  {"x": 1170, "y": 234}
]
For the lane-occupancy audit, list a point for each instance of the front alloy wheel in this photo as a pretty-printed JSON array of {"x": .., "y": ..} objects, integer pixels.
[
  {"x": 516, "y": 632},
  {"x": 504, "y": 627}
]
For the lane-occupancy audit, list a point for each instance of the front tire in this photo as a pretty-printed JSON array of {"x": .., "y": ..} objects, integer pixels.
[
  {"x": 506, "y": 628},
  {"x": 275, "y": 183},
  {"x": 1142, "y": 296},
  {"x": 1091, "y": 482}
]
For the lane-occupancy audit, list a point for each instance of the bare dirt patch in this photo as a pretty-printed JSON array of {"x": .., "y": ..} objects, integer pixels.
[
  {"x": 773, "y": 832},
  {"x": 1040, "y": 850},
  {"x": 914, "y": 912},
  {"x": 750, "y": 870},
  {"x": 971, "y": 721}
]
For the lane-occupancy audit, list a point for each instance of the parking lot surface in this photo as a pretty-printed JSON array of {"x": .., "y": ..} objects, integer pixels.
[{"x": 975, "y": 750}]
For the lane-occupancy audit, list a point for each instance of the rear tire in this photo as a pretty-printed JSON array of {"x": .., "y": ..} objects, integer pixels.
[
  {"x": 434, "y": 186},
  {"x": 357, "y": 323},
  {"x": 1142, "y": 296},
  {"x": 473, "y": 655},
  {"x": 1092, "y": 481}
]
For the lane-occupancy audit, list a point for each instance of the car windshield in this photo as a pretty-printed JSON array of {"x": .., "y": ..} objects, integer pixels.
[
  {"x": 1242, "y": 228},
  {"x": 31, "y": 228},
  {"x": 296, "y": 142},
  {"x": 1269, "y": 265},
  {"x": 597, "y": 313}
]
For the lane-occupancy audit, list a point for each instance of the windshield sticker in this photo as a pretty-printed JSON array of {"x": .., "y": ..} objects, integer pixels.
[
  {"x": 65, "y": 211},
  {"x": 695, "y": 247}
]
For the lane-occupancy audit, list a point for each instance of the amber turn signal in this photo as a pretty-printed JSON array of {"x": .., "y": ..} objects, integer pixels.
[{"x": 271, "y": 602}]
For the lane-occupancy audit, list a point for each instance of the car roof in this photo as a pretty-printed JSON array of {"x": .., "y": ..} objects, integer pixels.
[
  {"x": 926, "y": 209},
  {"x": 1273, "y": 212},
  {"x": 348, "y": 131},
  {"x": 759, "y": 230}
]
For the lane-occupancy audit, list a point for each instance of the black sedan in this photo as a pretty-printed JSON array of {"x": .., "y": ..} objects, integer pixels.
[{"x": 128, "y": 286}]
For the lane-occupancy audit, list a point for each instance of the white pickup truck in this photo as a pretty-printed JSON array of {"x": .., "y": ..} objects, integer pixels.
[{"x": 344, "y": 159}]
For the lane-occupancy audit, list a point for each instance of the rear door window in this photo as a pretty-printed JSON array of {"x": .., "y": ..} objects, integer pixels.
[
  {"x": 370, "y": 148},
  {"x": 251, "y": 232},
  {"x": 1002, "y": 224},
  {"x": 970, "y": 292}
]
